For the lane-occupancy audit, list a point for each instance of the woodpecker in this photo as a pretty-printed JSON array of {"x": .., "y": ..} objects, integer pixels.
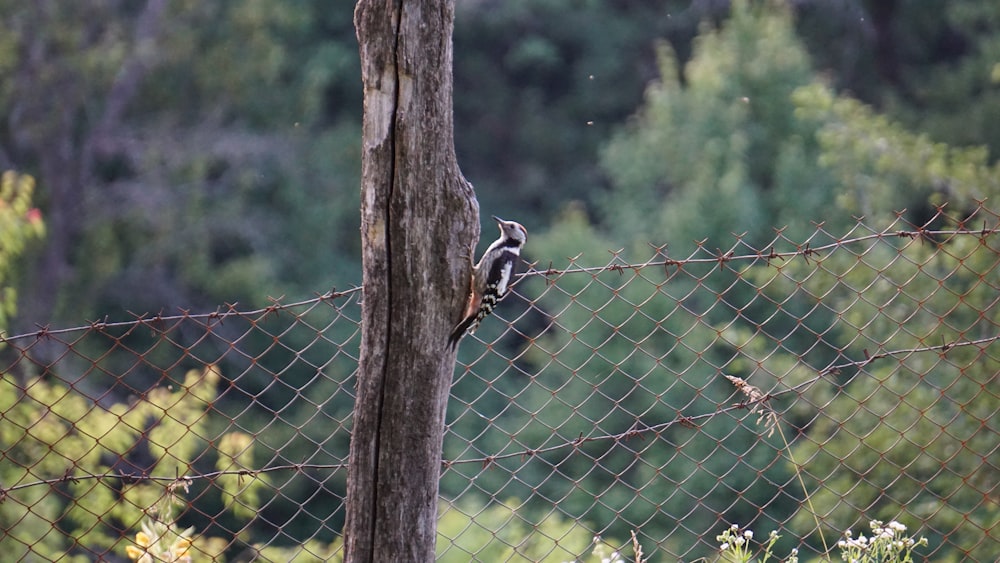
[{"x": 491, "y": 277}]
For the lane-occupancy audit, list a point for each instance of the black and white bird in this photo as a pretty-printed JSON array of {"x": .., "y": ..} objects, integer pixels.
[{"x": 491, "y": 277}]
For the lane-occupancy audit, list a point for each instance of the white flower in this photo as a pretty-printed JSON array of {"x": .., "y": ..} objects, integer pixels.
[
  {"x": 896, "y": 526},
  {"x": 724, "y": 547},
  {"x": 748, "y": 534}
]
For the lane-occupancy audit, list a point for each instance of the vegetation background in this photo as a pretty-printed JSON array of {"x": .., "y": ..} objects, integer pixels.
[{"x": 189, "y": 154}]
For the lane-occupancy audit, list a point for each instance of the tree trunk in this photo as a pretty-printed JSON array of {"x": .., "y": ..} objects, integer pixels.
[{"x": 418, "y": 218}]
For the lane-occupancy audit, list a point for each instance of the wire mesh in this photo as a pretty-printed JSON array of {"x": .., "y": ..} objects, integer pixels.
[{"x": 804, "y": 388}]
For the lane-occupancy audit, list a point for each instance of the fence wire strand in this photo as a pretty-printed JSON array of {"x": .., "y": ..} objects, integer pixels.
[{"x": 609, "y": 406}]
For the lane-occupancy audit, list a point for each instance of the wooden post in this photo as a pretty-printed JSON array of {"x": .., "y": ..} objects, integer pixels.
[{"x": 418, "y": 219}]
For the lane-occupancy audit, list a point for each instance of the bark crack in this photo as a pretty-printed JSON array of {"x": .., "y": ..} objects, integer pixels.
[{"x": 391, "y": 140}]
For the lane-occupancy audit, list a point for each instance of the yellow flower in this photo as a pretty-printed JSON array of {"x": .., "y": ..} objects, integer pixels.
[
  {"x": 180, "y": 547},
  {"x": 133, "y": 552},
  {"x": 139, "y": 553}
]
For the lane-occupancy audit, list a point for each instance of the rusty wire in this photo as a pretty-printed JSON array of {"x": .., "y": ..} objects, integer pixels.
[{"x": 609, "y": 398}]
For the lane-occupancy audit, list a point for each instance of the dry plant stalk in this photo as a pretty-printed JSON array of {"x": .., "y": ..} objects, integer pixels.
[
  {"x": 756, "y": 401},
  {"x": 636, "y": 548}
]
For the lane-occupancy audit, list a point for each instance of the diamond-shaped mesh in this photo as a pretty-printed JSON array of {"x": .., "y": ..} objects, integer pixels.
[{"x": 804, "y": 388}]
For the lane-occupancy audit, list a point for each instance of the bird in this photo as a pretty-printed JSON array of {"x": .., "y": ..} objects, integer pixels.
[{"x": 491, "y": 277}]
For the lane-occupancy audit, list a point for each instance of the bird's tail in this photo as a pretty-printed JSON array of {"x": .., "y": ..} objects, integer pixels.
[{"x": 460, "y": 330}]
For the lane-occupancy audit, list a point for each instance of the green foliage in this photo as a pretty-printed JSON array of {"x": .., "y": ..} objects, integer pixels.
[
  {"x": 206, "y": 149},
  {"x": 882, "y": 442},
  {"x": 53, "y": 433},
  {"x": 627, "y": 350},
  {"x": 749, "y": 138},
  {"x": 885, "y": 432},
  {"x": 948, "y": 56},
  {"x": 232, "y": 177},
  {"x": 927, "y": 65},
  {"x": 539, "y": 84},
  {"x": 239, "y": 494},
  {"x": 20, "y": 224},
  {"x": 57, "y": 57},
  {"x": 881, "y": 167},
  {"x": 710, "y": 155},
  {"x": 266, "y": 64},
  {"x": 311, "y": 551},
  {"x": 700, "y": 160},
  {"x": 507, "y": 532}
]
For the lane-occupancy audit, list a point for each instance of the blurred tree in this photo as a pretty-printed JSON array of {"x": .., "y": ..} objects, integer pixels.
[
  {"x": 931, "y": 66},
  {"x": 195, "y": 154},
  {"x": 183, "y": 179},
  {"x": 20, "y": 225},
  {"x": 183, "y": 151},
  {"x": 904, "y": 438},
  {"x": 718, "y": 150},
  {"x": 540, "y": 84},
  {"x": 73, "y": 70},
  {"x": 748, "y": 137},
  {"x": 881, "y": 167},
  {"x": 950, "y": 72},
  {"x": 505, "y": 532},
  {"x": 923, "y": 460},
  {"x": 626, "y": 351},
  {"x": 52, "y": 433}
]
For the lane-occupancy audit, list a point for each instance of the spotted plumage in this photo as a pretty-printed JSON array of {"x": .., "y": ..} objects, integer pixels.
[{"x": 491, "y": 277}]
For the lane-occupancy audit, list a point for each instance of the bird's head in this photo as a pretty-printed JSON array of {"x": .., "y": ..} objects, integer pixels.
[{"x": 512, "y": 230}]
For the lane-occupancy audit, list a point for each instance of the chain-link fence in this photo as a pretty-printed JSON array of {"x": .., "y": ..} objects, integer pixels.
[{"x": 804, "y": 388}]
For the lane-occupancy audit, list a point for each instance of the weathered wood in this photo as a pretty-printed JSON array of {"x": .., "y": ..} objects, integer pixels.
[{"x": 418, "y": 215}]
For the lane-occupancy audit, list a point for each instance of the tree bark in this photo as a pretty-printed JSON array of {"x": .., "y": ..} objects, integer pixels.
[{"x": 418, "y": 218}]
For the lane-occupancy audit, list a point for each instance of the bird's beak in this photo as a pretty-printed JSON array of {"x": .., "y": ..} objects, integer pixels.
[{"x": 497, "y": 219}]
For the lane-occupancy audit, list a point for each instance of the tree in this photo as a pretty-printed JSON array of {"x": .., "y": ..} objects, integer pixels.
[
  {"x": 184, "y": 152},
  {"x": 747, "y": 138},
  {"x": 52, "y": 432},
  {"x": 418, "y": 215},
  {"x": 716, "y": 148},
  {"x": 19, "y": 224},
  {"x": 68, "y": 56},
  {"x": 923, "y": 460}
]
